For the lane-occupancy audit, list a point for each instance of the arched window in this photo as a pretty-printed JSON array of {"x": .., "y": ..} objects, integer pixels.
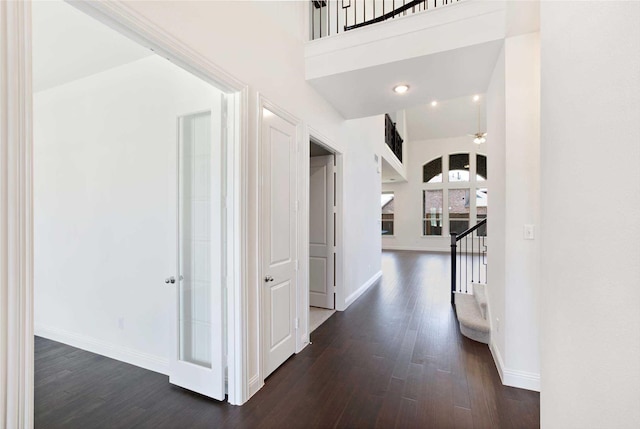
[
  {"x": 481, "y": 167},
  {"x": 459, "y": 167},
  {"x": 454, "y": 195},
  {"x": 432, "y": 171}
]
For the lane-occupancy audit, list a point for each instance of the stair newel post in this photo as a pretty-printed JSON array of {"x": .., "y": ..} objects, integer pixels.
[{"x": 454, "y": 248}]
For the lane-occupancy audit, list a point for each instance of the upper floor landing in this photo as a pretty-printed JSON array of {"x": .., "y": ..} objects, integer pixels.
[{"x": 445, "y": 50}]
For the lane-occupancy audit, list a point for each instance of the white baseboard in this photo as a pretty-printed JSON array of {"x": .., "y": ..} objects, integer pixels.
[
  {"x": 113, "y": 351},
  {"x": 512, "y": 377},
  {"x": 417, "y": 249},
  {"x": 362, "y": 289},
  {"x": 255, "y": 384}
]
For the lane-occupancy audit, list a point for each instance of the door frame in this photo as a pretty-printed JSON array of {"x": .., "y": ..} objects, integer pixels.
[
  {"x": 264, "y": 103},
  {"x": 17, "y": 218},
  {"x": 138, "y": 28},
  {"x": 330, "y": 201},
  {"x": 338, "y": 152}
]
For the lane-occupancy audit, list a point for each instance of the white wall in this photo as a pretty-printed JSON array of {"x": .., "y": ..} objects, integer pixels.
[
  {"x": 408, "y": 195},
  {"x": 522, "y": 192},
  {"x": 514, "y": 168},
  {"x": 362, "y": 198},
  {"x": 266, "y": 53},
  {"x": 496, "y": 170},
  {"x": 105, "y": 155},
  {"x": 590, "y": 296}
]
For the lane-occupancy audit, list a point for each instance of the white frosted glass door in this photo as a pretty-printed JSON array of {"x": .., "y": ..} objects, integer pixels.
[{"x": 198, "y": 363}]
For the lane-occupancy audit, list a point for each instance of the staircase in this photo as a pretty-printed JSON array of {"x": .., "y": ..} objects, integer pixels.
[
  {"x": 472, "y": 314},
  {"x": 469, "y": 268}
]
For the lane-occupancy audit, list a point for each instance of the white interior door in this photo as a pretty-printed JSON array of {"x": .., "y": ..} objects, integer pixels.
[
  {"x": 321, "y": 232},
  {"x": 197, "y": 361},
  {"x": 278, "y": 227}
]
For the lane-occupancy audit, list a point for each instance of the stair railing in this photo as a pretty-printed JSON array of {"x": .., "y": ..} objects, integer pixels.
[
  {"x": 468, "y": 258},
  {"x": 330, "y": 17}
]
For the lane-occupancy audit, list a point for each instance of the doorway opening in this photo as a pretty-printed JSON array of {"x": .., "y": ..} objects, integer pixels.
[
  {"x": 137, "y": 219},
  {"x": 322, "y": 233}
]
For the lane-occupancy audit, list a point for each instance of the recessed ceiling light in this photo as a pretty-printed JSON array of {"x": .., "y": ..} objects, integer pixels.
[
  {"x": 476, "y": 97},
  {"x": 434, "y": 103},
  {"x": 401, "y": 89}
]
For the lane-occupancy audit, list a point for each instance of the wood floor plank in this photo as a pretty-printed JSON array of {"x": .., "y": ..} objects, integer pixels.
[
  {"x": 408, "y": 414},
  {"x": 394, "y": 358},
  {"x": 390, "y": 405}
]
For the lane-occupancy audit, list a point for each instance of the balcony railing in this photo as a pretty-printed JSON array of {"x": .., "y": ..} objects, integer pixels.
[
  {"x": 392, "y": 137},
  {"x": 330, "y": 17}
]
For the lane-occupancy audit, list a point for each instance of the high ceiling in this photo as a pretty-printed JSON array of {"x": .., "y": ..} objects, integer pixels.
[
  {"x": 445, "y": 75},
  {"x": 449, "y": 118},
  {"x": 69, "y": 45}
]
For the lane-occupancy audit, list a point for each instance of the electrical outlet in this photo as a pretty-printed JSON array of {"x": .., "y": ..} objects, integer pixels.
[
  {"x": 121, "y": 322},
  {"x": 497, "y": 324}
]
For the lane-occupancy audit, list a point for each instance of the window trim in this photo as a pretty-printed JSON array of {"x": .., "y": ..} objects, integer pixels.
[
  {"x": 473, "y": 185},
  {"x": 394, "y": 215}
]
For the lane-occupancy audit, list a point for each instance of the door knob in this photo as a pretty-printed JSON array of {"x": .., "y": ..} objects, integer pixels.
[
  {"x": 268, "y": 279},
  {"x": 171, "y": 280}
]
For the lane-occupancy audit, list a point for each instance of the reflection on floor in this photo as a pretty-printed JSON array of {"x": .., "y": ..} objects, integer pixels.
[
  {"x": 317, "y": 316},
  {"x": 394, "y": 359}
]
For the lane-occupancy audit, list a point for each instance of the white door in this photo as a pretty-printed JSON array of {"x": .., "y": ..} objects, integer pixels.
[
  {"x": 278, "y": 225},
  {"x": 321, "y": 232},
  {"x": 197, "y": 361}
]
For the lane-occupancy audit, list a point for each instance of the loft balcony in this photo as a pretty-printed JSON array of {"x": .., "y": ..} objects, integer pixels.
[
  {"x": 445, "y": 49},
  {"x": 332, "y": 17}
]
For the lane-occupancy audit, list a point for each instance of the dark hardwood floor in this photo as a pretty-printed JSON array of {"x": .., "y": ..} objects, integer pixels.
[{"x": 395, "y": 358}]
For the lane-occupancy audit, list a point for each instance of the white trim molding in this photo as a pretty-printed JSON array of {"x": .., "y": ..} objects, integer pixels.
[
  {"x": 104, "y": 348},
  {"x": 512, "y": 377},
  {"x": 362, "y": 289},
  {"x": 417, "y": 249},
  {"x": 255, "y": 384},
  {"x": 16, "y": 217},
  {"x": 338, "y": 152}
]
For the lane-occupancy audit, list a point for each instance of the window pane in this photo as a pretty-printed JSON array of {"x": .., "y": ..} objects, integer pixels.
[
  {"x": 458, "y": 210},
  {"x": 481, "y": 167},
  {"x": 432, "y": 171},
  {"x": 387, "y": 203},
  {"x": 432, "y": 212},
  {"x": 459, "y": 167},
  {"x": 481, "y": 209}
]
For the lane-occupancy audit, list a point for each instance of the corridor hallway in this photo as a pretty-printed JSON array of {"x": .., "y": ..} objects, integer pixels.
[{"x": 395, "y": 358}]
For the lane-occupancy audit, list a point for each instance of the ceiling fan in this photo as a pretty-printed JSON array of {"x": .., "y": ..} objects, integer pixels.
[{"x": 479, "y": 137}]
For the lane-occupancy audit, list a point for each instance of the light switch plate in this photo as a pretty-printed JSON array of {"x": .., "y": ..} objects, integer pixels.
[{"x": 528, "y": 232}]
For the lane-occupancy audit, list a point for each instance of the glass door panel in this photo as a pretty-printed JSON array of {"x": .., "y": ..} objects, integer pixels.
[{"x": 196, "y": 240}]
